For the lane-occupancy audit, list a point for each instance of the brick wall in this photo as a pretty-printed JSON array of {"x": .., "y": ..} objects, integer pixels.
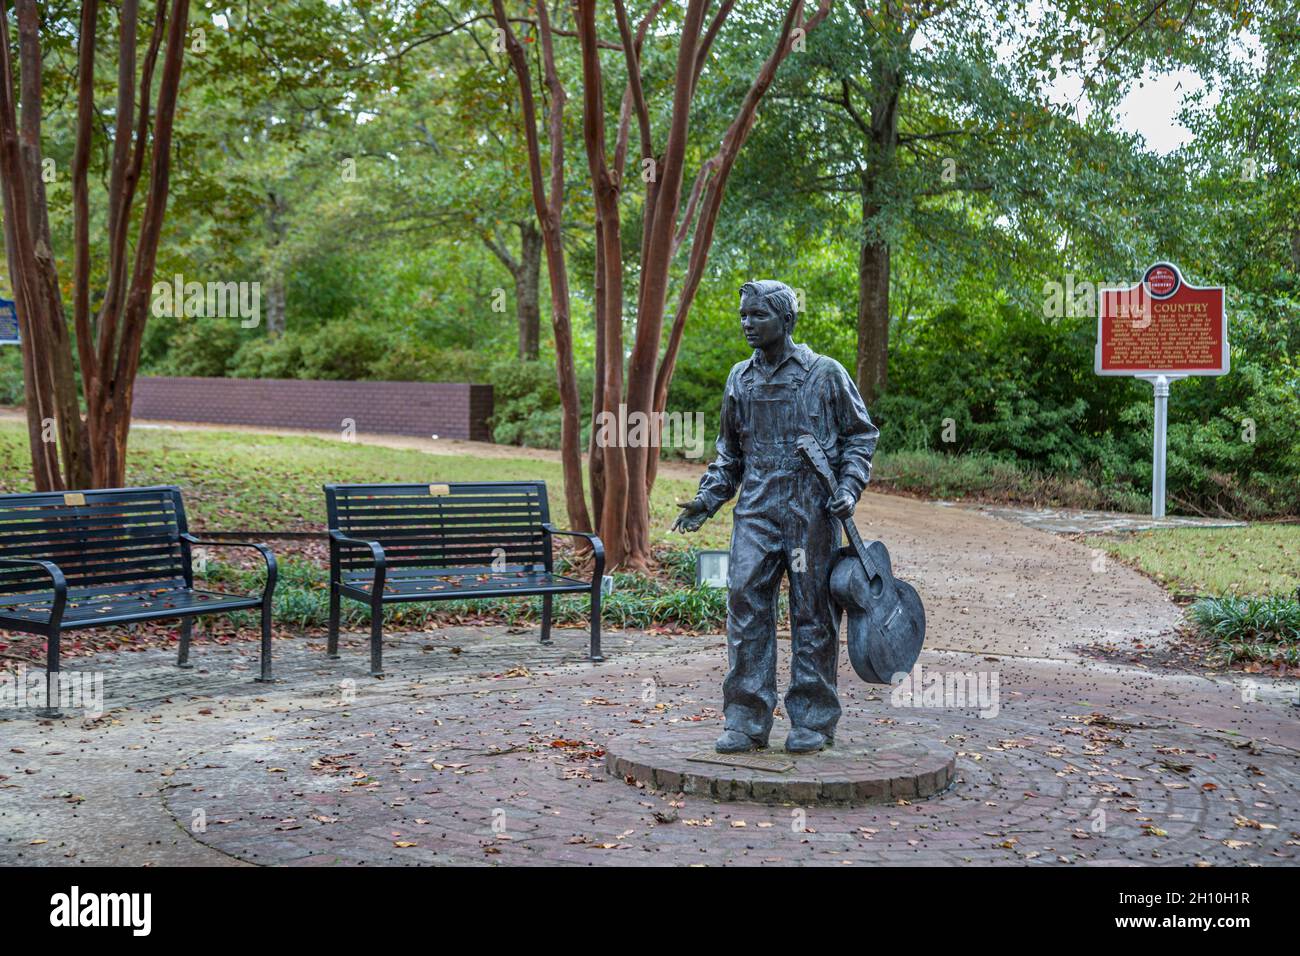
[{"x": 445, "y": 409}]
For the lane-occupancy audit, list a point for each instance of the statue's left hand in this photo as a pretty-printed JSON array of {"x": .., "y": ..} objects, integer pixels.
[{"x": 842, "y": 503}]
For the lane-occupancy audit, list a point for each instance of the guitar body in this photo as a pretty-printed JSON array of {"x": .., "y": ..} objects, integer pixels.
[
  {"x": 886, "y": 616},
  {"x": 886, "y": 619}
]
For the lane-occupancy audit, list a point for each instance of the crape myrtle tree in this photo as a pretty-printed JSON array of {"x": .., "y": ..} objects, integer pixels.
[
  {"x": 673, "y": 219},
  {"x": 67, "y": 449}
]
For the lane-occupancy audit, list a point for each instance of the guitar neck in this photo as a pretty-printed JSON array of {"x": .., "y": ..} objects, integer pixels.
[
  {"x": 827, "y": 477},
  {"x": 855, "y": 539}
]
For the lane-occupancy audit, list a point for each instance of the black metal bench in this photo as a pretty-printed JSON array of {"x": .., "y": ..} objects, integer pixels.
[
  {"x": 487, "y": 539},
  {"x": 86, "y": 559}
]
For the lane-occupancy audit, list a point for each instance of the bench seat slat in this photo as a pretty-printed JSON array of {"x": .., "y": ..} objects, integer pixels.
[
  {"x": 524, "y": 515},
  {"x": 126, "y": 606},
  {"x": 416, "y": 526},
  {"x": 497, "y": 584}
]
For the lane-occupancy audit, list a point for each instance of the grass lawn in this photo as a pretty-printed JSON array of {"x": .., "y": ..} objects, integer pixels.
[
  {"x": 242, "y": 480},
  {"x": 1260, "y": 559},
  {"x": 1247, "y": 612}
]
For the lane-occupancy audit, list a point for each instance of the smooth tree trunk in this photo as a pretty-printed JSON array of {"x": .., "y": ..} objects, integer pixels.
[
  {"x": 696, "y": 223},
  {"x": 616, "y": 504},
  {"x": 873, "y": 316},
  {"x": 276, "y": 294},
  {"x": 525, "y": 271},
  {"x": 528, "y": 309}
]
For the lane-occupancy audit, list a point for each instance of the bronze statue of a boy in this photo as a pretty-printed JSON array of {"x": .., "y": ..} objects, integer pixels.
[{"x": 782, "y": 520}]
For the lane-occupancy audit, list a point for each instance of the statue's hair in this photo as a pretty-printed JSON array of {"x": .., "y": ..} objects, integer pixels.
[{"x": 776, "y": 294}]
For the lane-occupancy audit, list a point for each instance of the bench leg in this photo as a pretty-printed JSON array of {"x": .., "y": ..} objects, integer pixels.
[
  {"x": 595, "y": 624},
  {"x": 265, "y": 677},
  {"x": 546, "y": 618},
  {"x": 187, "y": 631},
  {"x": 51, "y": 708},
  {"x": 377, "y": 640},
  {"x": 332, "y": 642}
]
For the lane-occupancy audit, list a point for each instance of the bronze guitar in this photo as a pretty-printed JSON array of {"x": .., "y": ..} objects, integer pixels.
[{"x": 886, "y": 617}]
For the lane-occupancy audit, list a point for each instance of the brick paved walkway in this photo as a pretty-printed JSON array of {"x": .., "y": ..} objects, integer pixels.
[{"x": 484, "y": 748}]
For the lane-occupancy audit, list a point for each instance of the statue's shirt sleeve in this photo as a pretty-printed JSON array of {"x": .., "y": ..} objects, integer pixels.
[
  {"x": 857, "y": 434},
  {"x": 726, "y": 471}
]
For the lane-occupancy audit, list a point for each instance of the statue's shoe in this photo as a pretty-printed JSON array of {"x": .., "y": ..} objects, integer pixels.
[
  {"x": 805, "y": 741},
  {"x": 736, "y": 742}
]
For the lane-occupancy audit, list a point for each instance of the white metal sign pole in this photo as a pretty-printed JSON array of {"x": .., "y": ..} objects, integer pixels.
[{"x": 1161, "y": 387}]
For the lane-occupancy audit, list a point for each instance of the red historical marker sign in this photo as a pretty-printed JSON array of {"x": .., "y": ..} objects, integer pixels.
[{"x": 1162, "y": 326}]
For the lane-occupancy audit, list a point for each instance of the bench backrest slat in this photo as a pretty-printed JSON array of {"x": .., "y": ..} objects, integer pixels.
[
  {"x": 118, "y": 537},
  {"x": 462, "y": 525}
]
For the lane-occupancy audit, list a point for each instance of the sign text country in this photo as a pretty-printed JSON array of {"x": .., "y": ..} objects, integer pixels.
[{"x": 1162, "y": 326}]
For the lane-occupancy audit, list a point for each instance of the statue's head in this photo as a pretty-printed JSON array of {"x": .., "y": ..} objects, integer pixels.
[{"x": 767, "y": 312}]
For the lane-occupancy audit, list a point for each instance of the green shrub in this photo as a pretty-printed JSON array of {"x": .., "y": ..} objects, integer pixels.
[
  {"x": 1017, "y": 396},
  {"x": 526, "y": 403},
  {"x": 343, "y": 349},
  {"x": 12, "y": 391},
  {"x": 268, "y": 357},
  {"x": 408, "y": 361},
  {"x": 203, "y": 348},
  {"x": 1252, "y": 628}
]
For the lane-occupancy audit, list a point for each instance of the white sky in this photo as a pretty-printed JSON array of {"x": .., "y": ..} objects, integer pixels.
[
  {"x": 1151, "y": 105},
  {"x": 1149, "y": 108}
]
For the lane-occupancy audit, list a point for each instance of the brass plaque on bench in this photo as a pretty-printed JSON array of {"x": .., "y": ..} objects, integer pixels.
[
  {"x": 440, "y": 489},
  {"x": 74, "y": 498}
]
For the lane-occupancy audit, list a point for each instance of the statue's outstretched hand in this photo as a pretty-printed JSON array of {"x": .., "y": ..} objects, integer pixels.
[{"x": 694, "y": 513}]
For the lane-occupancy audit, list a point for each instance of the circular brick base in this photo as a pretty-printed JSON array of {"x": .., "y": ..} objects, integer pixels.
[{"x": 876, "y": 766}]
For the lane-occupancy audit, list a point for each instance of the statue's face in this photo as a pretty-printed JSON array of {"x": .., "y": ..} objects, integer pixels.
[{"x": 762, "y": 326}]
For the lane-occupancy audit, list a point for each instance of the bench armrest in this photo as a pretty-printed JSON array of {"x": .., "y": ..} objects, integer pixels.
[
  {"x": 376, "y": 549},
  {"x": 56, "y": 578},
  {"x": 272, "y": 567},
  {"x": 597, "y": 548},
  {"x": 338, "y": 538}
]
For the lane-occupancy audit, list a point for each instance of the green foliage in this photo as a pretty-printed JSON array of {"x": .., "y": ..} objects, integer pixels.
[
  {"x": 527, "y": 403},
  {"x": 367, "y": 162},
  {"x": 1265, "y": 629},
  {"x": 267, "y": 357},
  {"x": 11, "y": 375},
  {"x": 200, "y": 347}
]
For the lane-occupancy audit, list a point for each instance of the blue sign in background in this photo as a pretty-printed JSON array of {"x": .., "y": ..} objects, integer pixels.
[{"x": 8, "y": 323}]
